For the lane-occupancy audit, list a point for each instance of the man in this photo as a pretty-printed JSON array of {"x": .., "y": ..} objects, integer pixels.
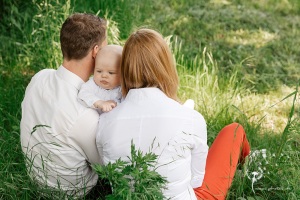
[{"x": 57, "y": 132}]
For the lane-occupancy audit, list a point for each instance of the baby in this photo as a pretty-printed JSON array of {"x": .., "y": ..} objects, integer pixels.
[{"x": 103, "y": 90}]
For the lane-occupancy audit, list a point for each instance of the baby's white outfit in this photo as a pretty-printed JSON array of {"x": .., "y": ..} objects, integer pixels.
[{"x": 90, "y": 92}]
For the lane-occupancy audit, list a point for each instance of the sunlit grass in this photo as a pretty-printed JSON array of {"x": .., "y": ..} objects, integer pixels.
[
  {"x": 220, "y": 2},
  {"x": 270, "y": 110},
  {"x": 263, "y": 30},
  {"x": 278, "y": 5},
  {"x": 245, "y": 37},
  {"x": 200, "y": 80}
]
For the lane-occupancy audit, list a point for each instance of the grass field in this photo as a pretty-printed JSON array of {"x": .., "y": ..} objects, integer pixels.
[{"x": 239, "y": 61}]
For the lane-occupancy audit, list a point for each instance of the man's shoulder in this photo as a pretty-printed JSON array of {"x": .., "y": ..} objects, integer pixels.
[
  {"x": 45, "y": 71},
  {"x": 42, "y": 74}
]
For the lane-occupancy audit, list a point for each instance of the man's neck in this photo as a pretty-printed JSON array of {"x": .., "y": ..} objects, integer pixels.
[{"x": 82, "y": 68}]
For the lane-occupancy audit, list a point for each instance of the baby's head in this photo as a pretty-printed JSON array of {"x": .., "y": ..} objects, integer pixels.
[{"x": 107, "y": 67}]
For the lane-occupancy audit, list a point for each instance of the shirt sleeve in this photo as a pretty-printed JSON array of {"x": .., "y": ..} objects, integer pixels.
[
  {"x": 87, "y": 93},
  {"x": 199, "y": 153},
  {"x": 98, "y": 138},
  {"x": 84, "y": 133}
]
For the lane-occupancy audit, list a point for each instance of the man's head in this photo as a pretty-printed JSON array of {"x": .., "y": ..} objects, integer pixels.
[
  {"x": 80, "y": 33},
  {"x": 107, "y": 67}
]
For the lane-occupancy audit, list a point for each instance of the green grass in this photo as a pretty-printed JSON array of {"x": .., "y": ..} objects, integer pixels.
[
  {"x": 239, "y": 61},
  {"x": 261, "y": 38}
]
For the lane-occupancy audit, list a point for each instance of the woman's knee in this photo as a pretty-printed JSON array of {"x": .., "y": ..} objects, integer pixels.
[{"x": 234, "y": 130}]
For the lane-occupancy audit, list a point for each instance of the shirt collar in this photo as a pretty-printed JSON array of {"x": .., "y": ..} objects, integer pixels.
[
  {"x": 70, "y": 77},
  {"x": 144, "y": 93}
]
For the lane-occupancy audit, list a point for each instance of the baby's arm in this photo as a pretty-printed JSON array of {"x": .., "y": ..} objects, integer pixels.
[
  {"x": 87, "y": 93},
  {"x": 105, "y": 106}
]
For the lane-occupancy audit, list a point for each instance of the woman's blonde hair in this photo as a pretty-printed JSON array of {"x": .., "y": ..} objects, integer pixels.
[{"x": 147, "y": 61}]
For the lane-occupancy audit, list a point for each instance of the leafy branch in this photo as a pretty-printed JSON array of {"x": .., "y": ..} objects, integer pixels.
[{"x": 133, "y": 179}]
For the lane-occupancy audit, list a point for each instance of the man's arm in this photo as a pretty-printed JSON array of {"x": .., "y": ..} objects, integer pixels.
[{"x": 84, "y": 134}]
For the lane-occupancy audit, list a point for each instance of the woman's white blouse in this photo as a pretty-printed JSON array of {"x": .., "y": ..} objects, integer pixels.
[{"x": 155, "y": 122}]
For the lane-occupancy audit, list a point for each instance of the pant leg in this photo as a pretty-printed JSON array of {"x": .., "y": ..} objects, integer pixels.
[{"x": 229, "y": 147}]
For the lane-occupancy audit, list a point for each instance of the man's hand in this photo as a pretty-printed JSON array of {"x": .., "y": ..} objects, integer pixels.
[{"x": 105, "y": 106}]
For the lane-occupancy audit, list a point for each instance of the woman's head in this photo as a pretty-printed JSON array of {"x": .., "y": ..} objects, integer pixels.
[{"x": 147, "y": 61}]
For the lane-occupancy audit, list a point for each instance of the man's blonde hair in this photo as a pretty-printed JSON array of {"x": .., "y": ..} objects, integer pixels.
[{"x": 147, "y": 61}]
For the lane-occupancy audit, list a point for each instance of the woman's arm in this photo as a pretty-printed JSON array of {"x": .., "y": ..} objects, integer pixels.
[{"x": 199, "y": 152}]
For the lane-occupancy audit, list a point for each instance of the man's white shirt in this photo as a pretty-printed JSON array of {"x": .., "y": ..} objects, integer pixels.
[{"x": 62, "y": 144}]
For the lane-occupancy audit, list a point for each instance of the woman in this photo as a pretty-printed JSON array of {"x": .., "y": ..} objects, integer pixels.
[{"x": 152, "y": 117}]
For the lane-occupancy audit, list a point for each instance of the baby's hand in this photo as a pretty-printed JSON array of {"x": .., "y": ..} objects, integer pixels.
[{"x": 105, "y": 106}]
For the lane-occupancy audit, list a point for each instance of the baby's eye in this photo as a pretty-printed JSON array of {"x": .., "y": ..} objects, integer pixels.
[
  {"x": 111, "y": 72},
  {"x": 99, "y": 71}
]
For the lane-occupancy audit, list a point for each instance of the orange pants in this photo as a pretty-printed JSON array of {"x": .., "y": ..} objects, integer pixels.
[{"x": 229, "y": 148}]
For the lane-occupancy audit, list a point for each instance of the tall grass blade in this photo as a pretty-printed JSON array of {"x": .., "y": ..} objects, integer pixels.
[{"x": 285, "y": 133}]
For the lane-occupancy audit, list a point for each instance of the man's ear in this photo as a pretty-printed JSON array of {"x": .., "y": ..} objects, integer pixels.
[{"x": 95, "y": 51}]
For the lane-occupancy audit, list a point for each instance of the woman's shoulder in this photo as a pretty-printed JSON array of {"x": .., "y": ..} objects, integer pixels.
[{"x": 192, "y": 113}]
